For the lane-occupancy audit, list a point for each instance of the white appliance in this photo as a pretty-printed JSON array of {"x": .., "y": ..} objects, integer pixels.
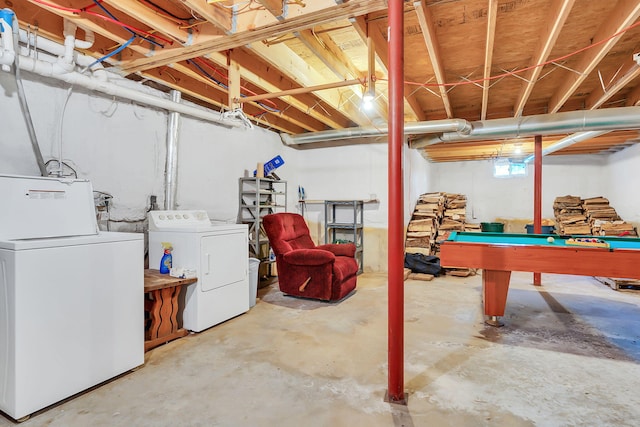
[
  {"x": 218, "y": 252},
  {"x": 71, "y": 297}
]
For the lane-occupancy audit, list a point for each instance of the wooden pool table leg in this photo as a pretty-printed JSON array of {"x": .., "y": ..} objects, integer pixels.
[{"x": 495, "y": 286}]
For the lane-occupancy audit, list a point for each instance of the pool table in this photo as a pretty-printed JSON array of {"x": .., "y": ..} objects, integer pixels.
[{"x": 498, "y": 254}]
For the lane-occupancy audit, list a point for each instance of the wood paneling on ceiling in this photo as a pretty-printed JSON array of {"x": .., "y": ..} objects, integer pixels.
[{"x": 467, "y": 59}]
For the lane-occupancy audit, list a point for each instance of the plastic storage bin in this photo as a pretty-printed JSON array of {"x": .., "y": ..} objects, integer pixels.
[
  {"x": 492, "y": 227},
  {"x": 254, "y": 264},
  {"x": 546, "y": 229}
]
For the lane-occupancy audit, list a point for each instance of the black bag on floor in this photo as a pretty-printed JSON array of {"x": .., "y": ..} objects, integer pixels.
[{"x": 421, "y": 263}]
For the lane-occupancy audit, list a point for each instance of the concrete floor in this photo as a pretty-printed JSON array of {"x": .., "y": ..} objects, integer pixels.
[{"x": 569, "y": 355}]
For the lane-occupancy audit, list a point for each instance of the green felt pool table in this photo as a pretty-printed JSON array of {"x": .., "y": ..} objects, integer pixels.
[{"x": 498, "y": 254}]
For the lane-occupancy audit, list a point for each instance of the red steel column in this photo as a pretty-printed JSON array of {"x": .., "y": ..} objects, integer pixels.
[
  {"x": 537, "y": 196},
  {"x": 395, "y": 393}
]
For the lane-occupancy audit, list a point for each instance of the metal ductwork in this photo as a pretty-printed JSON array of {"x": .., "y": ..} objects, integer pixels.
[
  {"x": 608, "y": 119},
  {"x": 418, "y": 128},
  {"x": 567, "y": 141}
]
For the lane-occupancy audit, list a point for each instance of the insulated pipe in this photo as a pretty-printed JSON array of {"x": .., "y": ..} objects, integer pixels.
[
  {"x": 543, "y": 124},
  {"x": 568, "y": 141},
  {"x": 395, "y": 392},
  {"x": 47, "y": 69},
  {"x": 171, "y": 172},
  {"x": 417, "y": 128}
]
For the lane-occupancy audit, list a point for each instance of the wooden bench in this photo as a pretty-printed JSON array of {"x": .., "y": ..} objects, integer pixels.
[{"x": 162, "y": 305}]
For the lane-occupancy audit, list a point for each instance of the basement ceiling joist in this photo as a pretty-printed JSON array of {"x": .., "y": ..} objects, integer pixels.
[{"x": 466, "y": 59}]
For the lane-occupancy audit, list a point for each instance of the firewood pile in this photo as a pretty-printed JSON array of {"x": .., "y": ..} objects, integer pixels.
[
  {"x": 593, "y": 216},
  {"x": 435, "y": 216}
]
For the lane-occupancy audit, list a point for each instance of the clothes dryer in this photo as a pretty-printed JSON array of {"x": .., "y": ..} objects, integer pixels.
[{"x": 219, "y": 254}]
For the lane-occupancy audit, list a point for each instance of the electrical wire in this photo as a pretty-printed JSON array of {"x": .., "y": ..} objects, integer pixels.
[
  {"x": 105, "y": 10},
  {"x": 115, "y": 52},
  {"x": 195, "y": 61},
  {"x": 106, "y": 18},
  {"x": 165, "y": 12},
  {"x": 522, "y": 70}
]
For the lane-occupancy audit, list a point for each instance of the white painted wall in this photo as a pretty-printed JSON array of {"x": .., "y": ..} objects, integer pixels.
[
  {"x": 623, "y": 176},
  {"x": 490, "y": 198},
  {"x": 120, "y": 147}
]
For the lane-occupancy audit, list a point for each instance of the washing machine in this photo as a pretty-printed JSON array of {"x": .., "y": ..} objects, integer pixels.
[
  {"x": 218, "y": 253},
  {"x": 71, "y": 297}
]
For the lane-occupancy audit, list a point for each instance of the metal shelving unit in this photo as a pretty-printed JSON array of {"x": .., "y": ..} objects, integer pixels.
[
  {"x": 259, "y": 197},
  {"x": 344, "y": 222}
]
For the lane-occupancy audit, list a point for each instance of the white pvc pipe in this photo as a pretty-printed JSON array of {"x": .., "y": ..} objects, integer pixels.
[
  {"x": 7, "y": 53},
  {"x": 57, "y": 49},
  {"x": 70, "y": 29},
  {"x": 58, "y": 72}
]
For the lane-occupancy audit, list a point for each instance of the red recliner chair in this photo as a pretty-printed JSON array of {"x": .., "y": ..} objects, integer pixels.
[{"x": 324, "y": 272}]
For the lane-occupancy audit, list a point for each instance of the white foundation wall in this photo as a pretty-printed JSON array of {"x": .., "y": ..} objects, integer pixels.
[
  {"x": 116, "y": 144},
  {"x": 490, "y": 198},
  {"x": 121, "y": 147},
  {"x": 623, "y": 177},
  {"x": 357, "y": 172}
]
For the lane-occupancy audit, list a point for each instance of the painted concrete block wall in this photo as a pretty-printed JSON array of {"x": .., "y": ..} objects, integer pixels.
[
  {"x": 623, "y": 173},
  {"x": 116, "y": 144},
  {"x": 490, "y": 198},
  {"x": 357, "y": 172},
  {"x": 212, "y": 159},
  {"x": 121, "y": 147}
]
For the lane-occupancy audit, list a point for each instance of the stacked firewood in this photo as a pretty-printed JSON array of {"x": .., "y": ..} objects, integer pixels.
[
  {"x": 424, "y": 224},
  {"x": 435, "y": 216},
  {"x": 589, "y": 216},
  {"x": 570, "y": 217}
]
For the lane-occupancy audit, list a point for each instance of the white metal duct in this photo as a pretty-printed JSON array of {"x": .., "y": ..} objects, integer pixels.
[{"x": 544, "y": 124}]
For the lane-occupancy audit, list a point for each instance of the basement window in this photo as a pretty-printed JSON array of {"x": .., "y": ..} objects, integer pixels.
[{"x": 505, "y": 168}]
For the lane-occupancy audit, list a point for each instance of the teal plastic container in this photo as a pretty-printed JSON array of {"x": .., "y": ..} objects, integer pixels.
[
  {"x": 492, "y": 227},
  {"x": 546, "y": 229}
]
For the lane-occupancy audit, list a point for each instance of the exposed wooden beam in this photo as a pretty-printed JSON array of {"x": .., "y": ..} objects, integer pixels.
[
  {"x": 295, "y": 68},
  {"x": 624, "y": 14},
  {"x": 300, "y": 90},
  {"x": 330, "y": 55},
  {"x": 275, "y": 7},
  {"x": 248, "y": 36},
  {"x": 234, "y": 79},
  {"x": 429, "y": 34},
  {"x": 108, "y": 30},
  {"x": 629, "y": 71},
  {"x": 492, "y": 14},
  {"x": 334, "y": 58},
  {"x": 558, "y": 13},
  {"x": 261, "y": 78},
  {"x": 217, "y": 15},
  {"x": 366, "y": 30},
  {"x": 146, "y": 16}
]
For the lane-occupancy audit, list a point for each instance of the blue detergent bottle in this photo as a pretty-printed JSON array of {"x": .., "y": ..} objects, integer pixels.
[{"x": 167, "y": 260}]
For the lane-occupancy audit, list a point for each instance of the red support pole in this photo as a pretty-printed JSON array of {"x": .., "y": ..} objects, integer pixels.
[
  {"x": 395, "y": 393},
  {"x": 537, "y": 196}
]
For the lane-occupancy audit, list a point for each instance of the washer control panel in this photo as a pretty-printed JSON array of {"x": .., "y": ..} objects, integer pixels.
[{"x": 159, "y": 220}]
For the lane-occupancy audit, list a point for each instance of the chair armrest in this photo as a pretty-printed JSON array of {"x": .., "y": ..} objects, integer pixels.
[
  {"x": 340, "y": 249},
  {"x": 308, "y": 257}
]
